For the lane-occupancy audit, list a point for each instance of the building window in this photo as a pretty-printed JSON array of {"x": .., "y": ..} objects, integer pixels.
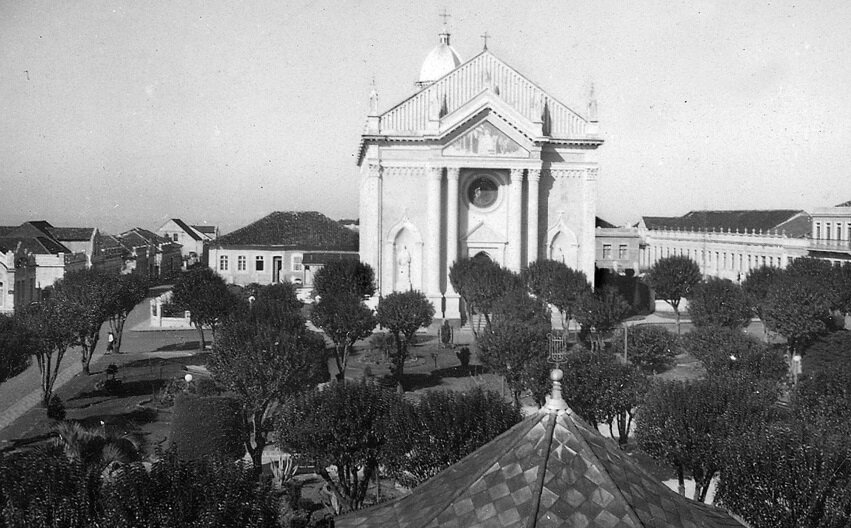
[
  {"x": 607, "y": 251},
  {"x": 174, "y": 237},
  {"x": 771, "y": 261},
  {"x": 223, "y": 263},
  {"x": 838, "y": 231},
  {"x": 827, "y": 231},
  {"x": 763, "y": 260},
  {"x": 240, "y": 263},
  {"x": 258, "y": 263},
  {"x": 622, "y": 251},
  {"x": 818, "y": 231},
  {"x": 295, "y": 263}
]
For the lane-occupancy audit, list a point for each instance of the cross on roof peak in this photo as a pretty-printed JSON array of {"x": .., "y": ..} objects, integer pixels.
[
  {"x": 444, "y": 15},
  {"x": 485, "y": 36}
]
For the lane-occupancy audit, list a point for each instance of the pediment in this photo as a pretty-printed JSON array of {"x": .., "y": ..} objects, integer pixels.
[
  {"x": 482, "y": 233},
  {"x": 485, "y": 140}
]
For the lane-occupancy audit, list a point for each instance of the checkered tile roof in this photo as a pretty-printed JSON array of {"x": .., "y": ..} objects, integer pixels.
[{"x": 550, "y": 470}]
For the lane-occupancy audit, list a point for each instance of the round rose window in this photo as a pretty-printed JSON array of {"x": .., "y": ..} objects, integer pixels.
[{"x": 482, "y": 192}]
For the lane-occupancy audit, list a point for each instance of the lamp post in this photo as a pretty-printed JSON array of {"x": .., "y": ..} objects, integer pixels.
[
  {"x": 796, "y": 368},
  {"x": 188, "y": 379}
]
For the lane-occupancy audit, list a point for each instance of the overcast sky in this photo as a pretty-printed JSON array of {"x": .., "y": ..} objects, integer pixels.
[{"x": 120, "y": 114}]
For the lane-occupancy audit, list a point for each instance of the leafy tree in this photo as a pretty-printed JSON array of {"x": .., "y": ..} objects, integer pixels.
[
  {"x": 623, "y": 394},
  {"x": 129, "y": 290},
  {"x": 756, "y": 285},
  {"x": 205, "y": 295},
  {"x": 265, "y": 355},
  {"x": 345, "y": 319},
  {"x": 843, "y": 285},
  {"x": 828, "y": 352},
  {"x": 719, "y": 302},
  {"x": 796, "y": 310},
  {"x": 95, "y": 449},
  {"x": 403, "y": 313},
  {"x": 557, "y": 284},
  {"x": 651, "y": 348},
  {"x": 345, "y": 426},
  {"x": 344, "y": 277},
  {"x": 514, "y": 344},
  {"x": 687, "y": 424},
  {"x": 52, "y": 331},
  {"x": 444, "y": 427},
  {"x": 207, "y": 426},
  {"x": 14, "y": 348},
  {"x": 820, "y": 276},
  {"x": 482, "y": 284},
  {"x": 672, "y": 279},
  {"x": 794, "y": 471},
  {"x": 725, "y": 351},
  {"x": 88, "y": 294},
  {"x": 600, "y": 313}
]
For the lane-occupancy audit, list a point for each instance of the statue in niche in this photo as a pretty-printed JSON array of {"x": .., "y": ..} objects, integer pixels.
[{"x": 403, "y": 269}]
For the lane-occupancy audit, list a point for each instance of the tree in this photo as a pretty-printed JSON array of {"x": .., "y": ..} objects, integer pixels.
[
  {"x": 344, "y": 277},
  {"x": 719, "y": 302},
  {"x": 796, "y": 309},
  {"x": 557, "y": 284},
  {"x": 205, "y": 295},
  {"x": 462, "y": 421},
  {"x": 130, "y": 290},
  {"x": 345, "y": 319},
  {"x": 793, "y": 471},
  {"x": 345, "y": 426},
  {"x": 95, "y": 449},
  {"x": 756, "y": 285},
  {"x": 88, "y": 294},
  {"x": 672, "y": 279},
  {"x": 600, "y": 313},
  {"x": 843, "y": 281},
  {"x": 403, "y": 313},
  {"x": 725, "y": 352},
  {"x": 265, "y": 355},
  {"x": 514, "y": 344},
  {"x": 651, "y": 348},
  {"x": 53, "y": 331},
  {"x": 624, "y": 392},
  {"x": 687, "y": 424},
  {"x": 14, "y": 348},
  {"x": 828, "y": 352},
  {"x": 820, "y": 275},
  {"x": 481, "y": 284}
]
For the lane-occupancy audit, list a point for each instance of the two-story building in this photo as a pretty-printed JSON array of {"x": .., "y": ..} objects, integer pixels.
[
  {"x": 193, "y": 239},
  {"x": 831, "y": 233},
  {"x": 282, "y": 247}
]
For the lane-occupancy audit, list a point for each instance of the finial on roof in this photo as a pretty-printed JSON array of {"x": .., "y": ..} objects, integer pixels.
[
  {"x": 485, "y": 36},
  {"x": 592, "y": 105},
  {"x": 444, "y": 35},
  {"x": 556, "y": 402},
  {"x": 373, "y": 99}
]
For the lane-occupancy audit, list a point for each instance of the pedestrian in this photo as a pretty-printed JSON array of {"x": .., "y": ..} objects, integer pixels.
[{"x": 110, "y": 343}]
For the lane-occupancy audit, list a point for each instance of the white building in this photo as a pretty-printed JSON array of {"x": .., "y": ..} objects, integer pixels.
[
  {"x": 831, "y": 235},
  {"x": 478, "y": 161}
]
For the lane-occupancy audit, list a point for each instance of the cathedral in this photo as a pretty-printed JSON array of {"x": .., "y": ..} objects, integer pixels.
[{"x": 478, "y": 162}]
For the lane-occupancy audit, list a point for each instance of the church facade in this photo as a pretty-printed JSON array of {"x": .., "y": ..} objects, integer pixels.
[{"x": 479, "y": 162}]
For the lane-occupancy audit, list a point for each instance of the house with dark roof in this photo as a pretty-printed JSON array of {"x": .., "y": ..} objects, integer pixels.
[
  {"x": 550, "y": 470},
  {"x": 34, "y": 245},
  {"x": 284, "y": 246},
  {"x": 192, "y": 238},
  {"x": 727, "y": 244},
  {"x": 150, "y": 254},
  {"x": 831, "y": 233}
]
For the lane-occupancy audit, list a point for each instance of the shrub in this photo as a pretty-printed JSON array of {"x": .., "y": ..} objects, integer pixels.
[
  {"x": 828, "y": 352},
  {"x": 724, "y": 351},
  {"x": 204, "y": 427},
  {"x": 464, "y": 357},
  {"x": 55, "y": 408},
  {"x": 650, "y": 348}
]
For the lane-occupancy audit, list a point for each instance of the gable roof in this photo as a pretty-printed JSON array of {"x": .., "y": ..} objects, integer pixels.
[
  {"x": 208, "y": 230},
  {"x": 795, "y": 222},
  {"x": 72, "y": 234},
  {"x": 844, "y": 204},
  {"x": 40, "y": 245},
  {"x": 551, "y": 469},
  {"x": 186, "y": 228},
  {"x": 307, "y": 230}
]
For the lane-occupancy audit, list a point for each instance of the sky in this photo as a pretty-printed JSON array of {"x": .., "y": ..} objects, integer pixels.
[{"x": 119, "y": 114}]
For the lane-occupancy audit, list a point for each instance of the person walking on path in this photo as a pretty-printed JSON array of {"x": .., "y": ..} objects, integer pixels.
[{"x": 110, "y": 343}]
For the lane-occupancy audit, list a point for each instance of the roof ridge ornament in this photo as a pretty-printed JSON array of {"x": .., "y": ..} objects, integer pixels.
[{"x": 558, "y": 354}]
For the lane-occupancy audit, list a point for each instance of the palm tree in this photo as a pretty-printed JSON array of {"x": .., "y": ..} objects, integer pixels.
[{"x": 96, "y": 449}]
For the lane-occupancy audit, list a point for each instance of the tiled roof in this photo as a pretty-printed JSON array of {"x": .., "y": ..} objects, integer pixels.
[
  {"x": 599, "y": 222},
  {"x": 307, "y": 230},
  {"x": 551, "y": 469},
  {"x": 844, "y": 204},
  {"x": 764, "y": 220},
  {"x": 41, "y": 245},
  {"x": 206, "y": 229},
  {"x": 188, "y": 230},
  {"x": 72, "y": 234}
]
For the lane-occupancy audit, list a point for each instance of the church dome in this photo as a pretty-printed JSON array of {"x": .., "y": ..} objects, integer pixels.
[{"x": 440, "y": 61}]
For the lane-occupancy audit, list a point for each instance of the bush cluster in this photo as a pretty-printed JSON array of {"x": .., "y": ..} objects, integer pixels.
[{"x": 207, "y": 426}]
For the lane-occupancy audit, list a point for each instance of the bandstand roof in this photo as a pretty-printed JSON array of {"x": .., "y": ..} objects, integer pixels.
[{"x": 550, "y": 470}]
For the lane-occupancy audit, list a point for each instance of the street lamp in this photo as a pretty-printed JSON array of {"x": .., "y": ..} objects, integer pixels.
[
  {"x": 796, "y": 368},
  {"x": 188, "y": 379}
]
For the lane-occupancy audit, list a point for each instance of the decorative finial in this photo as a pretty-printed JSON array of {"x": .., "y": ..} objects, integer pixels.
[
  {"x": 592, "y": 105},
  {"x": 558, "y": 354},
  {"x": 444, "y": 35},
  {"x": 373, "y": 99},
  {"x": 485, "y": 36}
]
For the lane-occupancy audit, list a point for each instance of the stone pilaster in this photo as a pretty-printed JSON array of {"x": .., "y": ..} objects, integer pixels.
[
  {"x": 515, "y": 212},
  {"x": 453, "y": 307},
  {"x": 533, "y": 177},
  {"x": 432, "y": 262},
  {"x": 370, "y": 215}
]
